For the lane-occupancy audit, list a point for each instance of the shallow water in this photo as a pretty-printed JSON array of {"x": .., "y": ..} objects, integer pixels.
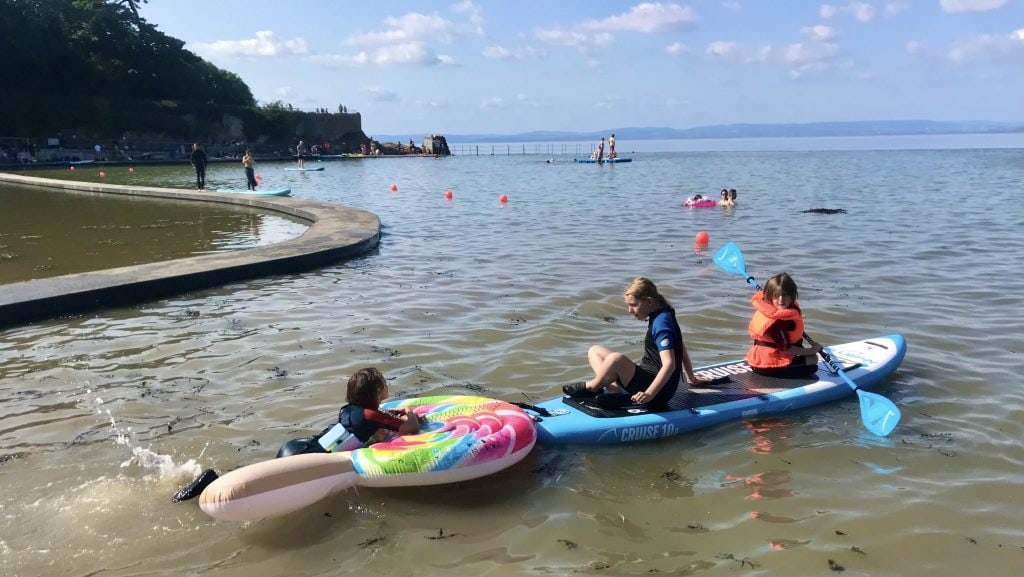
[
  {"x": 46, "y": 233},
  {"x": 103, "y": 416}
]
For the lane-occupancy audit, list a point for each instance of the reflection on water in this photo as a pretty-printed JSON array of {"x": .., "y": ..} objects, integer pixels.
[
  {"x": 46, "y": 233},
  {"x": 469, "y": 296}
]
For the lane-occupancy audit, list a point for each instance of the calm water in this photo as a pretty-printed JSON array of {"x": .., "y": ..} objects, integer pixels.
[
  {"x": 104, "y": 416},
  {"x": 46, "y": 233}
]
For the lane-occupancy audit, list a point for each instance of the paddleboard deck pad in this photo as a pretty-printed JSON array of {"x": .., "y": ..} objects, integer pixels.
[{"x": 744, "y": 395}]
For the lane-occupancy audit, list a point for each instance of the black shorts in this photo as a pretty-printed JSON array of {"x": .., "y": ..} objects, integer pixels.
[{"x": 643, "y": 378}]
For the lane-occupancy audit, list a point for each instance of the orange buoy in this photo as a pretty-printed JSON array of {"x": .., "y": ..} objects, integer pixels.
[
  {"x": 394, "y": 188},
  {"x": 503, "y": 198},
  {"x": 130, "y": 169},
  {"x": 702, "y": 238},
  {"x": 448, "y": 195}
]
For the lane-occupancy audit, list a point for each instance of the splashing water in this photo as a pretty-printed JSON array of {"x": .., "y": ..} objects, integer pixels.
[{"x": 146, "y": 458}]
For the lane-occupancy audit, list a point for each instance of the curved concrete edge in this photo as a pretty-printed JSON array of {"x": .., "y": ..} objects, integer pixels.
[{"x": 335, "y": 233}]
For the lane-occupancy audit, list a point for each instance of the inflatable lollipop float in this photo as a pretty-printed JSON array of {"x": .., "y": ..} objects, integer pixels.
[{"x": 462, "y": 438}]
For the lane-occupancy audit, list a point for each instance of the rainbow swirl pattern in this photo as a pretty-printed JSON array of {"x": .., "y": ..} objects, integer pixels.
[{"x": 461, "y": 433}]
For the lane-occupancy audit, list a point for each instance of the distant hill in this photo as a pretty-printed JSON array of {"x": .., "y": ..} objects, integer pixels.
[{"x": 862, "y": 128}]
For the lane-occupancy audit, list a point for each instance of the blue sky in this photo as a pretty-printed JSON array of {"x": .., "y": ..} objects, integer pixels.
[{"x": 506, "y": 67}]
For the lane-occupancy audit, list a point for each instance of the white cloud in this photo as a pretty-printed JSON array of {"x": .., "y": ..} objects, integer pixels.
[
  {"x": 649, "y": 17},
  {"x": 584, "y": 42},
  {"x": 819, "y": 32},
  {"x": 734, "y": 52},
  {"x": 676, "y": 49},
  {"x": 986, "y": 47},
  {"x": 894, "y": 8},
  {"x": 263, "y": 45},
  {"x": 722, "y": 49},
  {"x": 502, "y": 53},
  {"x": 340, "y": 60},
  {"x": 860, "y": 10},
  {"x": 474, "y": 13},
  {"x": 493, "y": 102},
  {"x": 408, "y": 54},
  {"x": 954, "y": 6},
  {"x": 381, "y": 94},
  {"x": 732, "y": 6},
  {"x": 407, "y": 28}
]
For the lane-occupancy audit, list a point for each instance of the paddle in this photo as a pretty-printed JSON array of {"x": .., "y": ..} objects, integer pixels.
[{"x": 879, "y": 414}]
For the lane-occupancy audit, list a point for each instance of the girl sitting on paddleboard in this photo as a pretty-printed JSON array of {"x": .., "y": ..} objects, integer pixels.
[
  {"x": 777, "y": 328},
  {"x": 655, "y": 379}
]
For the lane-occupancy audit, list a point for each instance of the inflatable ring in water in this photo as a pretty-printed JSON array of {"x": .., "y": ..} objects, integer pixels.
[
  {"x": 700, "y": 203},
  {"x": 464, "y": 437}
]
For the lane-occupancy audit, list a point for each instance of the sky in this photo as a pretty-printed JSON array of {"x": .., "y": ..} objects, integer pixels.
[{"x": 506, "y": 67}]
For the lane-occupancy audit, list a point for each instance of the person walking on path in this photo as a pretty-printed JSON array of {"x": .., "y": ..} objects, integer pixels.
[{"x": 198, "y": 160}]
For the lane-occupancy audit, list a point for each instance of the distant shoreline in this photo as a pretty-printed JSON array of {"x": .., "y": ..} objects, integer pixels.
[{"x": 816, "y": 129}]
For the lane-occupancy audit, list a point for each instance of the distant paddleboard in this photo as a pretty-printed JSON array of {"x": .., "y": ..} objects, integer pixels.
[
  {"x": 306, "y": 169},
  {"x": 259, "y": 192},
  {"x": 603, "y": 161}
]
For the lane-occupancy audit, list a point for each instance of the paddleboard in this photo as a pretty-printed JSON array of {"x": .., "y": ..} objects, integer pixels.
[
  {"x": 259, "y": 191},
  {"x": 746, "y": 396},
  {"x": 306, "y": 169},
  {"x": 603, "y": 161}
]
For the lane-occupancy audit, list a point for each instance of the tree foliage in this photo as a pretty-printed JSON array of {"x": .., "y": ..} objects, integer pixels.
[{"x": 89, "y": 63}]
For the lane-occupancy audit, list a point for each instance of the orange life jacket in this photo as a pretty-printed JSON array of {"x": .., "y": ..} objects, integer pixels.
[{"x": 767, "y": 352}]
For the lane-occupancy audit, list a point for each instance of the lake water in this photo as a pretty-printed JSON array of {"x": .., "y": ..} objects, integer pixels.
[{"x": 104, "y": 416}]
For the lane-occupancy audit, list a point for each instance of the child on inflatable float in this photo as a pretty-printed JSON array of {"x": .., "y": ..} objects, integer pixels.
[{"x": 698, "y": 201}]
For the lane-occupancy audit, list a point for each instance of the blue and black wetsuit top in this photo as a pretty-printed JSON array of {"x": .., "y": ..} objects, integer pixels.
[
  {"x": 364, "y": 423},
  {"x": 663, "y": 333}
]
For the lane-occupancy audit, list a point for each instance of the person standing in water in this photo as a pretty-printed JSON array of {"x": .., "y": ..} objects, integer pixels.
[
  {"x": 299, "y": 150},
  {"x": 198, "y": 160},
  {"x": 250, "y": 170}
]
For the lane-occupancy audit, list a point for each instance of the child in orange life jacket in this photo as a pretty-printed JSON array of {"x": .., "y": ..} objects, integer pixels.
[
  {"x": 777, "y": 328},
  {"x": 362, "y": 417}
]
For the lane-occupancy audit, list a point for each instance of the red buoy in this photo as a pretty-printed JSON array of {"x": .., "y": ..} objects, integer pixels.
[
  {"x": 394, "y": 188},
  {"x": 702, "y": 238},
  {"x": 503, "y": 198},
  {"x": 448, "y": 195}
]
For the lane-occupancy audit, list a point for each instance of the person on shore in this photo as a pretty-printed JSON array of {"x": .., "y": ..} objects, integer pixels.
[
  {"x": 300, "y": 150},
  {"x": 250, "y": 170},
  {"x": 362, "y": 416},
  {"x": 777, "y": 328},
  {"x": 611, "y": 146},
  {"x": 198, "y": 160},
  {"x": 654, "y": 380}
]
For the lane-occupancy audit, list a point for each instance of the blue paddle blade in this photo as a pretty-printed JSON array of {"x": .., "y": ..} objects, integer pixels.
[
  {"x": 879, "y": 414},
  {"x": 730, "y": 259}
]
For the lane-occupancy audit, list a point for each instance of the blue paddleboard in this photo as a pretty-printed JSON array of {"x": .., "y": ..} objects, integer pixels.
[
  {"x": 259, "y": 191},
  {"x": 746, "y": 396}
]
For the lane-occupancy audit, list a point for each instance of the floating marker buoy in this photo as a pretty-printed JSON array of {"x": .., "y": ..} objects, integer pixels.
[
  {"x": 103, "y": 174},
  {"x": 702, "y": 238},
  {"x": 71, "y": 168},
  {"x": 130, "y": 169},
  {"x": 503, "y": 199},
  {"x": 448, "y": 195},
  {"x": 394, "y": 188}
]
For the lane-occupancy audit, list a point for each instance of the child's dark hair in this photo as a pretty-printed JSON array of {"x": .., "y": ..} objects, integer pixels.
[
  {"x": 364, "y": 388},
  {"x": 780, "y": 284}
]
